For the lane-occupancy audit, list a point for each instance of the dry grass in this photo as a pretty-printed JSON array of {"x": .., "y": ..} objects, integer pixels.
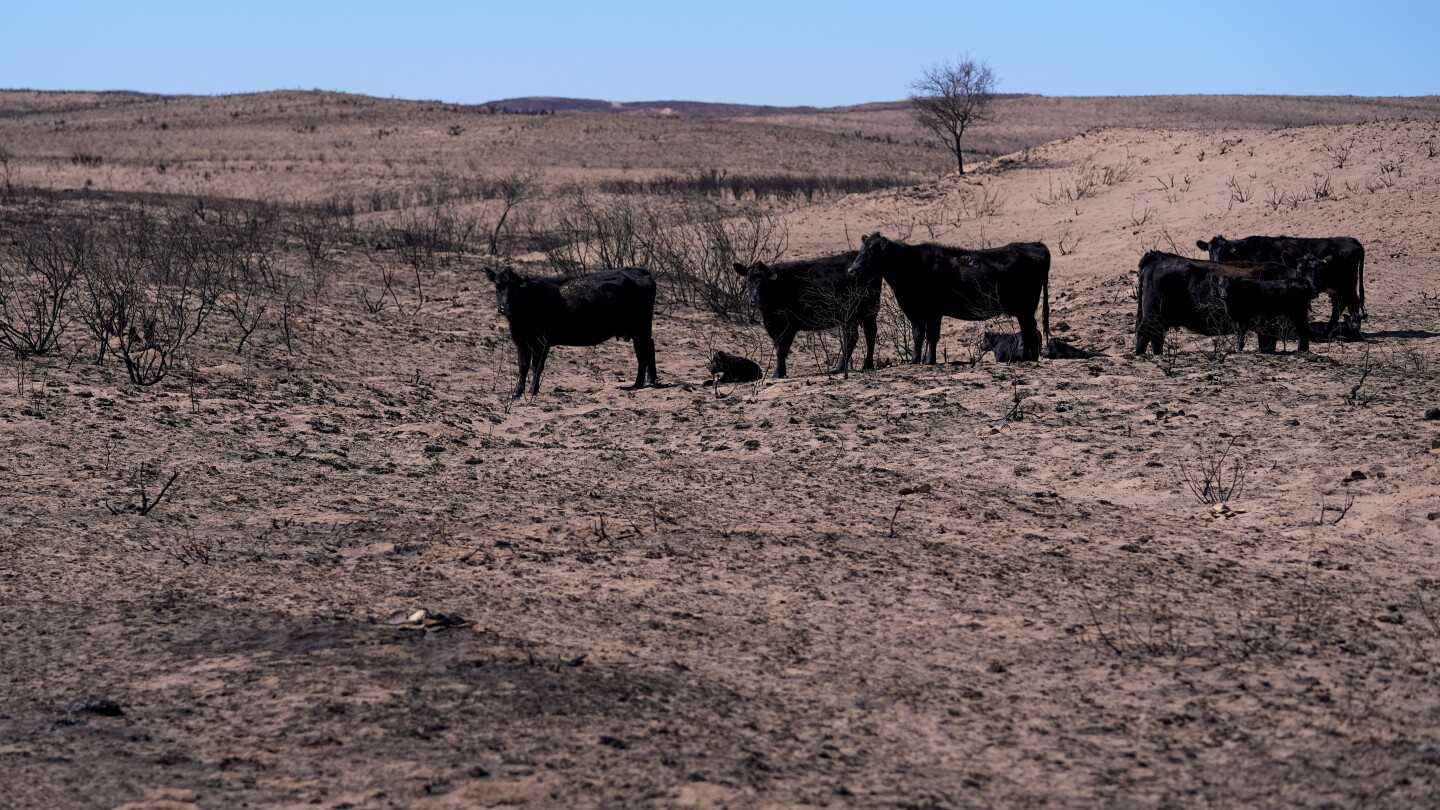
[{"x": 870, "y": 591}]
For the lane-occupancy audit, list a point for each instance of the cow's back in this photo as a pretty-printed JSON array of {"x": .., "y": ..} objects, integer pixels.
[{"x": 594, "y": 307}]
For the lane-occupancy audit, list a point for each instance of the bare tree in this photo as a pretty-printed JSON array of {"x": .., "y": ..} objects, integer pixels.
[
  {"x": 514, "y": 189},
  {"x": 949, "y": 97}
]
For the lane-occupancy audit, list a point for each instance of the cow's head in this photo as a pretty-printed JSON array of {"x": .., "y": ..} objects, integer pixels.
[
  {"x": 1223, "y": 283},
  {"x": 1220, "y": 249},
  {"x": 760, "y": 278},
  {"x": 990, "y": 340},
  {"x": 871, "y": 258},
  {"x": 508, "y": 285},
  {"x": 1312, "y": 269}
]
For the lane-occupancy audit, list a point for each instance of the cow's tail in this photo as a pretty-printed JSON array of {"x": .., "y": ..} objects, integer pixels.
[
  {"x": 1139, "y": 305},
  {"x": 1363, "y": 313},
  {"x": 1045, "y": 307}
]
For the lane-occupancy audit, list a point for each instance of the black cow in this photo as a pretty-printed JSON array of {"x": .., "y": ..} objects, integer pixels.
[
  {"x": 805, "y": 296},
  {"x": 1009, "y": 347},
  {"x": 1271, "y": 308},
  {"x": 1340, "y": 271},
  {"x": 733, "y": 368},
  {"x": 583, "y": 310},
  {"x": 932, "y": 282},
  {"x": 1180, "y": 291}
]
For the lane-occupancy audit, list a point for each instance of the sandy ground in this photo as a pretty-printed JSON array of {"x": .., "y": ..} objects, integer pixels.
[{"x": 876, "y": 591}]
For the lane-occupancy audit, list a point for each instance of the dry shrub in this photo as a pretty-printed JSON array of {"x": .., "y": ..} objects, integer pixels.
[
  {"x": 692, "y": 257},
  {"x": 37, "y": 275}
]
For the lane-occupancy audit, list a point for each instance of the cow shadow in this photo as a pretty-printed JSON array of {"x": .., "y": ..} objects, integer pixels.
[{"x": 1403, "y": 334}]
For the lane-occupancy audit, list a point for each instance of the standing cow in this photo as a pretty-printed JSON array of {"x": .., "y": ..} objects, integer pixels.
[
  {"x": 932, "y": 282},
  {"x": 1271, "y": 308},
  {"x": 1340, "y": 274},
  {"x": 1180, "y": 291},
  {"x": 804, "y": 296},
  {"x": 583, "y": 310}
]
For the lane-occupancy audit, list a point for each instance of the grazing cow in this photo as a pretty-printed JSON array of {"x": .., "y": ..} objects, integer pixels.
[
  {"x": 584, "y": 310},
  {"x": 1271, "y": 308},
  {"x": 814, "y": 294},
  {"x": 733, "y": 368},
  {"x": 1180, "y": 291},
  {"x": 1009, "y": 347},
  {"x": 1340, "y": 272},
  {"x": 932, "y": 282}
]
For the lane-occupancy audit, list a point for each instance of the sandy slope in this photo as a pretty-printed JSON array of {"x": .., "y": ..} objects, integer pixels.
[{"x": 684, "y": 599}]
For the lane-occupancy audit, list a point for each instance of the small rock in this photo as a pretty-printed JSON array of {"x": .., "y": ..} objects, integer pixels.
[
  {"x": 1432, "y": 413},
  {"x": 1293, "y": 422}
]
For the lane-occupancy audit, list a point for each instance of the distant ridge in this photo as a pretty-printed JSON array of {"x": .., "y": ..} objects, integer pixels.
[{"x": 690, "y": 109}]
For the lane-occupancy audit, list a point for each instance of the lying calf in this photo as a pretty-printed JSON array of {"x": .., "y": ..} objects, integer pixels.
[
  {"x": 733, "y": 368},
  {"x": 1271, "y": 308},
  {"x": 1010, "y": 348}
]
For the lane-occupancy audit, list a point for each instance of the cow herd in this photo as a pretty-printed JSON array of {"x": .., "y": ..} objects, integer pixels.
[{"x": 1261, "y": 284}]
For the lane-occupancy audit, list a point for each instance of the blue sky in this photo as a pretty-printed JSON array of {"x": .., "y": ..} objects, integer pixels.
[{"x": 732, "y": 50}]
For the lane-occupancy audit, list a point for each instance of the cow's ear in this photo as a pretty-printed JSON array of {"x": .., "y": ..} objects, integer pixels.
[
  {"x": 490, "y": 274},
  {"x": 742, "y": 269},
  {"x": 1205, "y": 246},
  {"x": 1326, "y": 260}
]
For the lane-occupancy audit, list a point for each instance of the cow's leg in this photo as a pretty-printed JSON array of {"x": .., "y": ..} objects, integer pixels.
[
  {"x": 1352, "y": 306},
  {"x": 932, "y": 338},
  {"x": 871, "y": 330},
  {"x": 782, "y": 351},
  {"x": 1029, "y": 337},
  {"x": 1142, "y": 338},
  {"x": 1334, "y": 315},
  {"x": 917, "y": 331},
  {"x": 537, "y": 360},
  {"x": 1239, "y": 338},
  {"x": 654, "y": 369},
  {"x": 523, "y": 352},
  {"x": 644, "y": 354},
  {"x": 1301, "y": 322},
  {"x": 1157, "y": 342},
  {"x": 849, "y": 336}
]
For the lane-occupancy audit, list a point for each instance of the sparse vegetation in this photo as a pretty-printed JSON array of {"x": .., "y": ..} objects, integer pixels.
[{"x": 1217, "y": 477}]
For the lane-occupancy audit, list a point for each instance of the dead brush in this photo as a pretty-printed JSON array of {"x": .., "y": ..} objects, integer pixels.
[
  {"x": 140, "y": 484},
  {"x": 1360, "y": 396},
  {"x": 1218, "y": 477},
  {"x": 1147, "y": 627}
]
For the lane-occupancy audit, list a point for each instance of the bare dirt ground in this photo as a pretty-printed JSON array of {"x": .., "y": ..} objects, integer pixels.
[{"x": 876, "y": 591}]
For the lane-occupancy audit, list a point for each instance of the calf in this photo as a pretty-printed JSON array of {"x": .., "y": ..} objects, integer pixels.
[
  {"x": 583, "y": 310},
  {"x": 733, "y": 368},
  {"x": 932, "y": 282},
  {"x": 1272, "y": 308},
  {"x": 815, "y": 294},
  {"x": 1339, "y": 270},
  {"x": 1180, "y": 291},
  {"x": 1009, "y": 347}
]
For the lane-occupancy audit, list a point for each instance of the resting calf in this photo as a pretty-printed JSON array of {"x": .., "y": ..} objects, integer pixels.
[{"x": 733, "y": 368}]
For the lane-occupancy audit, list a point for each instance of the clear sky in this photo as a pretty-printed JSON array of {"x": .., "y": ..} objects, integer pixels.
[{"x": 775, "y": 52}]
